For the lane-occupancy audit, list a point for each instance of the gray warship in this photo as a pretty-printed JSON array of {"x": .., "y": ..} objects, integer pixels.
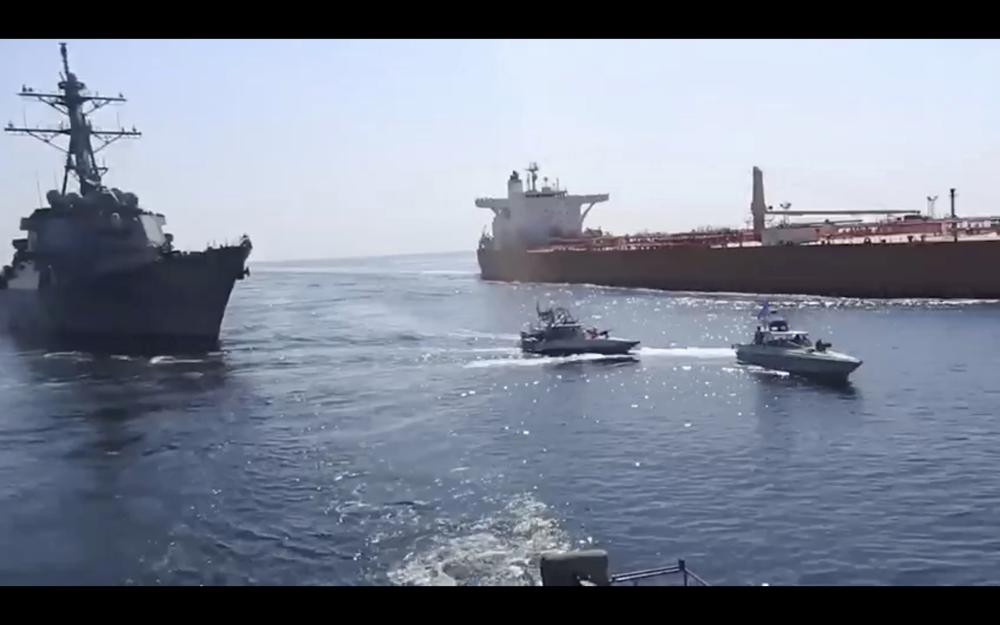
[{"x": 96, "y": 269}]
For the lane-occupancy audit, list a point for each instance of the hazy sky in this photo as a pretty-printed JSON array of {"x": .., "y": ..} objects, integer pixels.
[{"x": 341, "y": 148}]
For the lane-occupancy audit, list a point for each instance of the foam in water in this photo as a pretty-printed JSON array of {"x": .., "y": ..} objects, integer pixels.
[
  {"x": 472, "y": 334},
  {"x": 496, "y": 551},
  {"x": 447, "y": 272},
  {"x": 706, "y": 353},
  {"x": 779, "y": 300},
  {"x": 765, "y": 371},
  {"x": 492, "y": 350},
  {"x": 170, "y": 360},
  {"x": 689, "y": 352},
  {"x": 363, "y": 270},
  {"x": 536, "y": 361},
  {"x": 78, "y": 356}
]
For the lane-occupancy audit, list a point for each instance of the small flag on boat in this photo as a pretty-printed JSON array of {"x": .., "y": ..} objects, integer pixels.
[{"x": 765, "y": 310}]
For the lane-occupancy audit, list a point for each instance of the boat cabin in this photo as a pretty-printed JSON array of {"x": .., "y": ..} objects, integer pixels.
[
  {"x": 556, "y": 323},
  {"x": 773, "y": 331},
  {"x": 570, "y": 331},
  {"x": 777, "y": 324},
  {"x": 782, "y": 338}
]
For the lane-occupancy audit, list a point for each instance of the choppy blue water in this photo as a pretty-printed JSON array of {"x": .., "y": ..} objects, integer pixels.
[{"x": 371, "y": 421}]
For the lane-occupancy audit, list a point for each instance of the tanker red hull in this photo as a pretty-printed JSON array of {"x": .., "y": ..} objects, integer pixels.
[{"x": 963, "y": 269}]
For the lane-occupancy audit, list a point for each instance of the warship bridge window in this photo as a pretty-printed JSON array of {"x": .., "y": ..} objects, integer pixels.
[
  {"x": 53, "y": 234},
  {"x": 154, "y": 233}
]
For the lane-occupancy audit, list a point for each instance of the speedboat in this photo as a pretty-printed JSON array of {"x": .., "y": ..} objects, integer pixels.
[
  {"x": 558, "y": 333},
  {"x": 777, "y": 347}
]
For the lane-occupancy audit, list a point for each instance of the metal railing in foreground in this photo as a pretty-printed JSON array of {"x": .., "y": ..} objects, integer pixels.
[
  {"x": 654, "y": 577},
  {"x": 590, "y": 568}
]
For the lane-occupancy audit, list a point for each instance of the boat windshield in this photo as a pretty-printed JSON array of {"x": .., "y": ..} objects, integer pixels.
[
  {"x": 788, "y": 339},
  {"x": 563, "y": 332}
]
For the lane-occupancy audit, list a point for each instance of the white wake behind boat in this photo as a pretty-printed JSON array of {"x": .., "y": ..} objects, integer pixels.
[
  {"x": 559, "y": 334},
  {"x": 777, "y": 347}
]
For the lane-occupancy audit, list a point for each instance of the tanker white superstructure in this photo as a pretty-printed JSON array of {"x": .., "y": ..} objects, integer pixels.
[{"x": 532, "y": 217}]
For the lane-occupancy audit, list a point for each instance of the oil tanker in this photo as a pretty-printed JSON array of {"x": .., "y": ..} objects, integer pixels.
[{"x": 538, "y": 236}]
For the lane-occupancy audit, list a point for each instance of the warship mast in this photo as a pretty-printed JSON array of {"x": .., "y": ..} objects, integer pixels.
[{"x": 71, "y": 102}]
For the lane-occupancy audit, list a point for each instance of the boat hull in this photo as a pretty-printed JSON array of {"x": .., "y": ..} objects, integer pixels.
[
  {"x": 964, "y": 269},
  {"x": 175, "y": 303},
  {"x": 606, "y": 347},
  {"x": 827, "y": 365}
]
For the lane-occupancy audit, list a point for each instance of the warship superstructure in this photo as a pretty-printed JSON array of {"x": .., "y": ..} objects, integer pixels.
[{"x": 94, "y": 265}]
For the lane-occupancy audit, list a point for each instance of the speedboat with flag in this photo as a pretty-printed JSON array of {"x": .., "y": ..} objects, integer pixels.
[{"x": 777, "y": 347}]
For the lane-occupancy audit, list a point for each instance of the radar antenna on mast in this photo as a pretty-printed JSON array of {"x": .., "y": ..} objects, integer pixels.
[
  {"x": 71, "y": 101},
  {"x": 65, "y": 59},
  {"x": 532, "y": 175}
]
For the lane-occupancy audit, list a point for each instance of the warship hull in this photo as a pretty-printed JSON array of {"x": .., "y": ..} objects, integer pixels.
[
  {"x": 176, "y": 303},
  {"x": 946, "y": 270}
]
